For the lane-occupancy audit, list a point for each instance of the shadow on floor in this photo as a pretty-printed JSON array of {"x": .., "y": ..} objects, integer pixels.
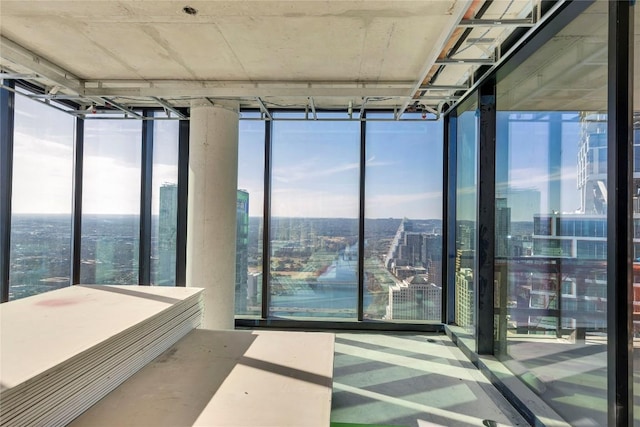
[{"x": 412, "y": 380}]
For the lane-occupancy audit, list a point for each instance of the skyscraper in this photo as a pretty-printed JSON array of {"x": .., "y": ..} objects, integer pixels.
[
  {"x": 503, "y": 228},
  {"x": 165, "y": 271},
  {"x": 242, "y": 250},
  {"x": 415, "y": 299}
]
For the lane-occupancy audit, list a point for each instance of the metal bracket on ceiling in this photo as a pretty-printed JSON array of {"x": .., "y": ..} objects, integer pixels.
[
  {"x": 364, "y": 102},
  {"x": 122, "y": 108},
  {"x": 169, "y": 107},
  {"x": 263, "y": 108},
  {"x": 313, "y": 108}
]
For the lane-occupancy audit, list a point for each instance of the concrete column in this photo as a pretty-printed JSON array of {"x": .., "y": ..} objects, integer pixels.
[{"x": 211, "y": 220}]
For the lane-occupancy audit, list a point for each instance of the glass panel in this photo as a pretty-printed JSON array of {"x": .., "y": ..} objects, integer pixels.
[
  {"x": 164, "y": 202},
  {"x": 249, "y": 216},
  {"x": 551, "y": 180},
  {"x": 41, "y": 199},
  {"x": 111, "y": 202},
  {"x": 314, "y": 224},
  {"x": 466, "y": 208},
  {"x": 403, "y": 225}
]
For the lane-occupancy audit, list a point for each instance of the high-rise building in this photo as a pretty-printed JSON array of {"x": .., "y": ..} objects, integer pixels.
[
  {"x": 415, "y": 298},
  {"x": 167, "y": 230},
  {"x": 592, "y": 164},
  {"x": 242, "y": 250},
  {"x": 464, "y": 314},
  {"x": 254, "y": 289},
  {"x": 503, "y": 228}
]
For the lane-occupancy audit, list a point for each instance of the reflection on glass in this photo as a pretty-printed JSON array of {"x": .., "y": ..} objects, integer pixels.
[
  {"x": 111, "y": 202},
  {"x": 403, "y": 220},
  {"x": 249, "y": 216},
  {"x": 466, "y": 208},
  {"x": 164, "y": 202},
  {"x": 41, "y": 199},
  {"x": 314, "y": 224},
  {"x": 551, "y": 192}
]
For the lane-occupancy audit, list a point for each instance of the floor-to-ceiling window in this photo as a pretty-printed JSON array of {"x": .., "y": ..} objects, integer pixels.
[
  {"x": 465, "y": 220},
  {"x": 249, "y": 277},
  {"x": 314, "y": 217},
  {"x": 111, "y": 201},
  {"x": 41, "y": 199},
  {"x": 403, "y": 219},
  {"x": 164, "y": 201},
  {"x": 551, "y": 219}
]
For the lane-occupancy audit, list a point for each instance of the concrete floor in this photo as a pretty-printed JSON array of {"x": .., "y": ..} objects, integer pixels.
[{"x": 412, "y": 380}]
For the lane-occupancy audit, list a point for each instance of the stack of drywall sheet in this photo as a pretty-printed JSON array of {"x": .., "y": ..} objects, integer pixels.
[{"x": 64, "y": 350}]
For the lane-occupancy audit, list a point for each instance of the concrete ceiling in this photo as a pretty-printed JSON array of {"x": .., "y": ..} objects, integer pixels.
[{"x": 319, "y": 54}]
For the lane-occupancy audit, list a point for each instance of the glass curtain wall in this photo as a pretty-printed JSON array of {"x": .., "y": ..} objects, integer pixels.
[
  {"x": 314, "y": 217},
  {"x": 41, "y": 199},
  {"x": 111, "y": 202},
  {"x": 465, "y": 221},
  {"x": 164, "y": 201},
  {"x": 250, "y": 215},
  {"x": 403, "y": 219},
  {"x": 551, "y": 219}
]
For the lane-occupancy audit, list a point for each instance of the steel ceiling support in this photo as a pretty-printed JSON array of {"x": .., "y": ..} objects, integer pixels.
[
  {"x": 13, "y": 52},
  {"x": 443, "y": 87},
  {"x": 470, "y": 61},
  {"x": 169, "y": 107},
  {"x": 17, "y": 76},
  {"x": 122, "y": 108},
  {"x": 313, "y": 108},
  {"x": 264, "y": 108},
  {"x": 364, "y": 103},
  {"x": 520, "y": 48},
  {"x": 251, "y": 92},
  {"x": 460, "y": 8},
  {"x": 496, "y": 23}
]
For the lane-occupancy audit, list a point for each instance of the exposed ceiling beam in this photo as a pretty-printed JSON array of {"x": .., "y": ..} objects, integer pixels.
[
  {"x": 13, "y": 52},
  {"x": 248, "y": 91},
  {"x": 456, "y": 16},
  {"x": 475, "y": 61},
  {"x": 17, "y": 76},
  {"x": 496, "y": 23}
]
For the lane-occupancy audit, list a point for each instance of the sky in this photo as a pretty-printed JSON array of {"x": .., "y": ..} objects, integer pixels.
[
  {"x": 43, "y": 162},
  {"x": 315, "y": 168},
  {"x": 315, "y": 165}
]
